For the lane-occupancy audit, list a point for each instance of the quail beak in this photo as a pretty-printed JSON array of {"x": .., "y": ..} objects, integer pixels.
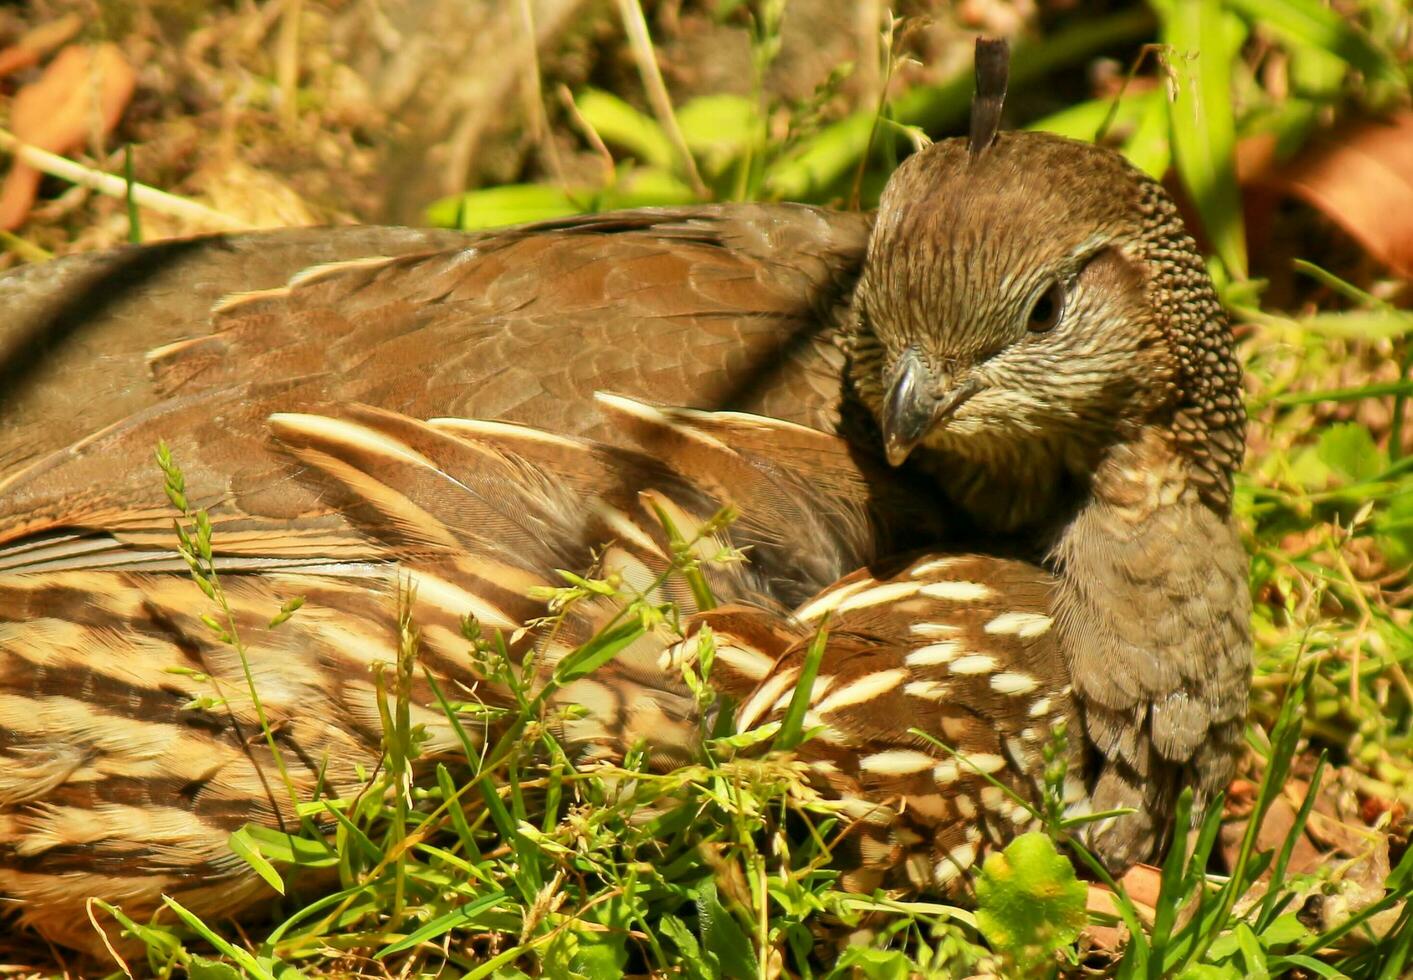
[{"x": 916, "y": 402}]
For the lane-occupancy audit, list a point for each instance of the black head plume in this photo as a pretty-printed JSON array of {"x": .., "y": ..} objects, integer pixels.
[{"x": 993, "y": 58}]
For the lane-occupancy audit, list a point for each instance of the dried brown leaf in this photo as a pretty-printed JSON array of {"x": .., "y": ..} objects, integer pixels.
[
  {"x": 81, "y": 94},
  {"x": 1275, "y": 829},
  {"x": 1361, "y": 178},
  {"x": 38, "y": 42},
  {"x": 1142, "y": 883}
]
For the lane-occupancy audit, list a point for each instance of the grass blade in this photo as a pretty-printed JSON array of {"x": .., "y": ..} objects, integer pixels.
[
  {"x": 619, "y": 123},
  {"x": 1171, "y": 889},
  {"x": 246, "y": 962},
  {"x": 792, "y": 727},
  {"x": 597, "y": 652},
  {"x": 443, "y": 924},
  {"x": 1269, "y": 905},
  {"x": 1203, "y": 44},
  {"x": 1312, "y": 22},
  {"x": 245, "y": 847}
]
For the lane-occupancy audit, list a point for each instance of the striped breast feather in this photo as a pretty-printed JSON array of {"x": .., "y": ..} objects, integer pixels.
[
  {"x": 108, "y": 484},
  {"x": 510, "y": 493},
  {"x": 810, "y": 511},
  {"x": 347, "y": 484}
]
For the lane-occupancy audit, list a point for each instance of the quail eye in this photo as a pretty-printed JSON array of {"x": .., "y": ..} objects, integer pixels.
[{"x": 1047, "y": 309}]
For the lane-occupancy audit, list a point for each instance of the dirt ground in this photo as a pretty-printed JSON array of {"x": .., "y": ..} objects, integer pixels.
[{"x": 327, "y": 111}]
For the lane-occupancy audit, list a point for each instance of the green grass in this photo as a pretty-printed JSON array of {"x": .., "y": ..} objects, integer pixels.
[{"x": 513, "y": 863}]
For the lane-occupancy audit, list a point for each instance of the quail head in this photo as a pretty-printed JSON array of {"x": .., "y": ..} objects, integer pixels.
[{"x": 1035, "y": 328}]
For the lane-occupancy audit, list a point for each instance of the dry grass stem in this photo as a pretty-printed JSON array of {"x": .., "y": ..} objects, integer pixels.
[
  {"x": 641, "y": 45},
  {"x": 144, "y": 196}
]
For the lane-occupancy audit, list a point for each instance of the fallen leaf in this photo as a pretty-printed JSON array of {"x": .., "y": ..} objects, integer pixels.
[
  {"x": 1360, "y": 176},
  {"x": 35, "y": 44},
  {"x": 82, "y": 93},
  {"x": 1275, "y": 829},
  {"x": 1142, "y": 883},
  {"x": 1347, "y": 859}
]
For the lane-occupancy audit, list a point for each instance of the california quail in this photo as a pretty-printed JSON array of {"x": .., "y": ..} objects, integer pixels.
[{"x": 1102, "y": 441}]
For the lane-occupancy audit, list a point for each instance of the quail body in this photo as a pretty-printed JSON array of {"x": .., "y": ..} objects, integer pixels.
[
  {"x": 121, "y": 783},
  {"x": 1029, "y": 327}
]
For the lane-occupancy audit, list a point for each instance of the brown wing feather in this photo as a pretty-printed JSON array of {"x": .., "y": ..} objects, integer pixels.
[
  {"x": 691, "y": 306},
  {"x": 818, "y": 509},
  {"x": 75, "y": 330}
]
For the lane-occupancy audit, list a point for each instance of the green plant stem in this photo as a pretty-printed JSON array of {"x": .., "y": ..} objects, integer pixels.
[{"x": 255, "y": 701}]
